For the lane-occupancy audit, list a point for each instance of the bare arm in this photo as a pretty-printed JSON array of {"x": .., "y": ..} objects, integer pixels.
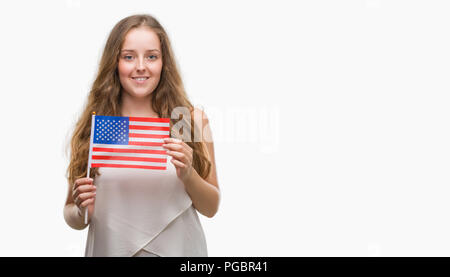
[
  {"x": 73, "y": 217},
  {"x": 205, "y": 193},
  {"x": 205, "y": 196}
]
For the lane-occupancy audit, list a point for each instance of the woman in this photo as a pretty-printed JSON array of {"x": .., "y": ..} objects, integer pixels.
[{"x": 141, "y": 212}]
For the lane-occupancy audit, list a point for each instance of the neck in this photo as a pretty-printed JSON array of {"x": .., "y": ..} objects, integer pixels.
[{"x": 139, "y": 107}]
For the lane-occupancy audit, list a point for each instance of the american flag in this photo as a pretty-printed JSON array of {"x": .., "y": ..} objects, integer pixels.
[{"x": 128, "y": 142}]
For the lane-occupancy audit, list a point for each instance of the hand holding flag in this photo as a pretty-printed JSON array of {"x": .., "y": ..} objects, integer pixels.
[
  {"x": 182, "y": 156},
  {"x": 83, "y": 195}
]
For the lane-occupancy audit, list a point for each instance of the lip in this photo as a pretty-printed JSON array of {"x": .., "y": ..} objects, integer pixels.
[{"x": 140, "y": 82}]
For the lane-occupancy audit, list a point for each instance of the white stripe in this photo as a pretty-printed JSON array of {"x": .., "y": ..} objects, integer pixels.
[
  {"x": 140, "y": 155},
  {"x": 122, "y": 146},
  {"x": 146, "y": 139},
  {"x": 154, "y": 132},
  {"x": 127, "y": 162},
  {"x": 159, "y": 124}
]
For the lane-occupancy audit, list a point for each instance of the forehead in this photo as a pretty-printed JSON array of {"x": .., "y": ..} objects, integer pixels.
[{"x": 141, "y": 38}]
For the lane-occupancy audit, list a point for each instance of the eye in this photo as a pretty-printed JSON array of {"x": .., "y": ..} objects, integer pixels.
[
  {"x": 127, "y": 57},
  {"x": 153, "y": 56}
]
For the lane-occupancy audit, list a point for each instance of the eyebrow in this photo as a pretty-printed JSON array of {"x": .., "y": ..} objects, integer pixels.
[{"x": 131, "y": 50}]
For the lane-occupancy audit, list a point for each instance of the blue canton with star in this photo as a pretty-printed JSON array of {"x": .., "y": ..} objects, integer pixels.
[{"x": 111, "y": 129}]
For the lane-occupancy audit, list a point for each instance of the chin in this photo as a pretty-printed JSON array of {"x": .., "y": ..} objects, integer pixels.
[{"x": 140, "y": 93}]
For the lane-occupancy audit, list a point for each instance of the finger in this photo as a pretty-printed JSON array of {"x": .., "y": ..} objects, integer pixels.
[
  {"x": 86, "y": 195},
  {"x": 86, "y": 188},
  {"x": 186, "y": 146},
  {"x": 87, "y": 202},
  {"x": 83, "y": 188},
  {"x": 82, "y": 181},
  {"x": 168, "y": 141},
  {"x": 173, "y": 146},
  {"x": 179, "y": 156},
  {"x": 77, "y": 202},
  {"x": 172, "y": 140},
  {"x": 178, "y": 163}
]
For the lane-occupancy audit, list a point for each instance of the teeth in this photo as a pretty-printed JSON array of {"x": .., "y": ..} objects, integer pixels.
[{"x": 140, "y": 79}]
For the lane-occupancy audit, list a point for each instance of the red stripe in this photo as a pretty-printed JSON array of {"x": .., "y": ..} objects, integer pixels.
[
  {"x": 143, "y": 143},
  {"x": 149, "y": 119},
  {"x": 136, "y": 135},
  {"x": 120, "y": 150},
  {"x": 129, "y": 166},
  {"x": 123, "y": 158},
  {"x": 156, "y": 128}
]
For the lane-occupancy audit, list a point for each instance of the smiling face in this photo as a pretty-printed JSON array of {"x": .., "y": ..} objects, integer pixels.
[{"x": 140, "y": 62}]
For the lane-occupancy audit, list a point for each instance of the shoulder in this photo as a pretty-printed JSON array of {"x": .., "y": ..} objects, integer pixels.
[{"x": 199, "y": 115}]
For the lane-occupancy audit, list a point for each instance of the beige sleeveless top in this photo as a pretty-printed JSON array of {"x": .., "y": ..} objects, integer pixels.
[{"x": 139, "y": 209}]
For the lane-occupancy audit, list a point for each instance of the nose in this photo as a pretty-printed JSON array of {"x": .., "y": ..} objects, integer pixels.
[{"x": 140, "y": 64}]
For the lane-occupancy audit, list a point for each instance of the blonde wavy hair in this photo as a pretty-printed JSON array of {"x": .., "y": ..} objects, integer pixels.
[{"x": 105, "y": 98}]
